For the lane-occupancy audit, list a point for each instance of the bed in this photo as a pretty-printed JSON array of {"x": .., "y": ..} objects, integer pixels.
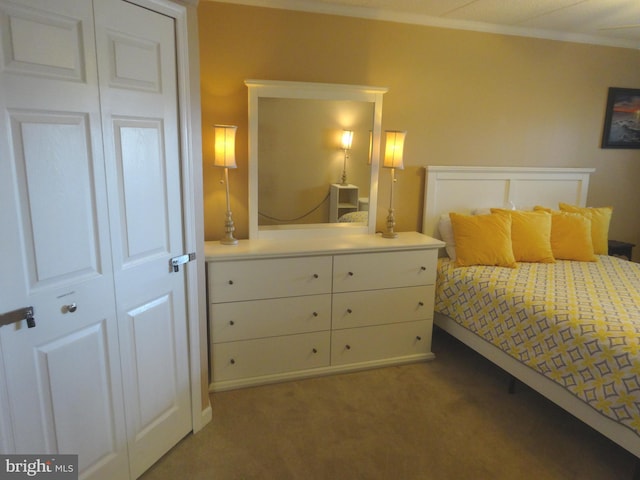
[
  {"x": 569, "y": 329},
  {"x": 361, "y": 216}
]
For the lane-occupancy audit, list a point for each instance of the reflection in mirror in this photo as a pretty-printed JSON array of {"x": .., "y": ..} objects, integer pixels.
[
  {"x": 304, "y": 177},
  {"x": 300, "y": 151}
]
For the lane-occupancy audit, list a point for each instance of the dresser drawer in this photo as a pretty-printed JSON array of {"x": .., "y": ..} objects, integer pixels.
[
  {"x": 378, "y": 342},
  {"x": 376, "y": 307},
  {"x": 269, "y": 318},
  {"x": 267, "y": 356},
  {"x": 369, "y": 271},
  {"x": 268, "y": 278}
]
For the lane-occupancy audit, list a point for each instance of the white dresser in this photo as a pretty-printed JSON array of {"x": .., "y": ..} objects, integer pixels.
[{"x": 288, "y": 309}]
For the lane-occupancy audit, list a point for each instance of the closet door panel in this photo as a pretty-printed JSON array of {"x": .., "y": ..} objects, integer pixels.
[
  {"x": 61, "y": 377},
  {"x": 85, "y": 428},
  {"x": 52, "y": 152},
  {"x": 142, "y": 178},
  {"x": 90, "y": 184},
  {"x": 138, "y": 93},
  {"x": 59, "y": 55}
]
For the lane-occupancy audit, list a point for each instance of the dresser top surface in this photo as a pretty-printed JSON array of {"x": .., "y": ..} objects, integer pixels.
[{"x": 214, "y": 250}]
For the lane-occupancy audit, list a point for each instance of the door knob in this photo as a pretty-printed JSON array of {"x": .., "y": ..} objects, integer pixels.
[{"x": 72, "y": 307}]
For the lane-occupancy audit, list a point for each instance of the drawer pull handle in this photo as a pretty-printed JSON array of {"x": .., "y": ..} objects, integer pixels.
[
  {"x": 423, "y": 268},
  {"x": 230, "y": 282},
  {"x": 315, "y": 275},
  {"x": 315, "y": 314},
  {"x": 418, "y": 337},
  {"x": 348, "y": 347},
  {"x": 232, "y": 361},
  {"x": 232, "y": 323},
  {"x": 421, "y": 304},
  {"x": 315, "y": 350},
  {"x": 350, "y": 274},
  {"x": 349, "y": 310}
]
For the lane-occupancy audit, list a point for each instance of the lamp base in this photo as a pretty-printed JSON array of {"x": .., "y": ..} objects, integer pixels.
[
  {"x": 229, "y": 241},
  {"x": 391, "y": 222},
  {"x": 229, "y": 228}
]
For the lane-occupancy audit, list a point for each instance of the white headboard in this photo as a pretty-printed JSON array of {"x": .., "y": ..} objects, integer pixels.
[{"x": 463, "y": 189}]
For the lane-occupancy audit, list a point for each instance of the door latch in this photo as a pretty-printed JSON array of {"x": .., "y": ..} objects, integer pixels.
[
  {"x": 182, "y": 259},
  {"x": 17, "y": 316}
]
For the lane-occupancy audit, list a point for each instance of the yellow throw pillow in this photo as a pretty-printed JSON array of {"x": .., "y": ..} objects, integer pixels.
[
  {"x": 482, "y": 240},
  {"x": 600, "y": 220},
  {"x": 538, "y": 208},
  {"x": 571, "y": 237},
  {"x": 530, "y": 235}
]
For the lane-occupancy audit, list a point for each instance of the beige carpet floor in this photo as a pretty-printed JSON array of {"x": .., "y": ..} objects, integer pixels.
[{"x": 450, "y": 418}]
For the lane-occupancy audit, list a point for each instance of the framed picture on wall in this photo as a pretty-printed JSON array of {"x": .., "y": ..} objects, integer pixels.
[{"x": 622, "y": 119}]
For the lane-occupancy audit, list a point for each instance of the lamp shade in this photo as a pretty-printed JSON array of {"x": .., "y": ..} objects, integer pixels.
[
  {"x": 394, "y": 149},
  {"x": 347, "y": 139},
  {"x": 225, "y": 146}
]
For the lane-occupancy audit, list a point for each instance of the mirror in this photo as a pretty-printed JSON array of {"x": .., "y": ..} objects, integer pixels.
[{"x": 302, "y": 179}]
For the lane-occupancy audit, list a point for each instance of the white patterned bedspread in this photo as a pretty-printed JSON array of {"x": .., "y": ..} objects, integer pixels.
[{"x": 577, "y": 323}]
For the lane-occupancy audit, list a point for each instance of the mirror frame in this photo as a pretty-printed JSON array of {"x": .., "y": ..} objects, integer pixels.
[{"x": 311, "y": 91}]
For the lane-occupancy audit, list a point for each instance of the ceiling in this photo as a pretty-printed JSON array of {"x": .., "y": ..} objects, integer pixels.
[{"x": 606, "y": 22}]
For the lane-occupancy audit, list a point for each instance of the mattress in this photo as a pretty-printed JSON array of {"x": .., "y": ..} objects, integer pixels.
[
  {"x": 355, "y": 217},
  {"x": 577, "y": 323}
]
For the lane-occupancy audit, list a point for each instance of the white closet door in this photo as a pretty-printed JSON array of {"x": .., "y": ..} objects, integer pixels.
[
  {"x": 61, "y": 379},
  {"x": 138, "y": 91}
]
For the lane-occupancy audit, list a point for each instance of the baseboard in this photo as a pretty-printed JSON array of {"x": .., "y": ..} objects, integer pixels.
[{"x": 207, "y": 415}]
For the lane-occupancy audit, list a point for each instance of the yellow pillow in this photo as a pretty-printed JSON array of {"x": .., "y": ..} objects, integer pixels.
[
  {"x": 530, "y": 235},
  {"x": 600, "y": 220},
  {"x": 571, "y": 237},
  {"x": 538, "y": 208},
  {"x": 482, "y": 240}
]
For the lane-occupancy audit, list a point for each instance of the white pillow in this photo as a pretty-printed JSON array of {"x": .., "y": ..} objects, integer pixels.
[
  {"x": 446, "y": 234},
  {"x": 481, "y": 211},
  {"x": 487, "y": 211}
]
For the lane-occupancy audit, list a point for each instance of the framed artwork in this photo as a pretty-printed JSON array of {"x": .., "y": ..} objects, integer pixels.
[{"x": 622, "y": 120}]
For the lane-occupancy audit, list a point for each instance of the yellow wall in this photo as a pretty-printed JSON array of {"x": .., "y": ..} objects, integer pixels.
[{"x": 465, "y": 98}]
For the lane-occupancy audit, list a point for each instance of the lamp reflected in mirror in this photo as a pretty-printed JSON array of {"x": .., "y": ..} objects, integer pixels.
[
  {"x": 347, "y": 140},
  {"x": 393, "y": 153},
  {"x": 225, "y": 157}
]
